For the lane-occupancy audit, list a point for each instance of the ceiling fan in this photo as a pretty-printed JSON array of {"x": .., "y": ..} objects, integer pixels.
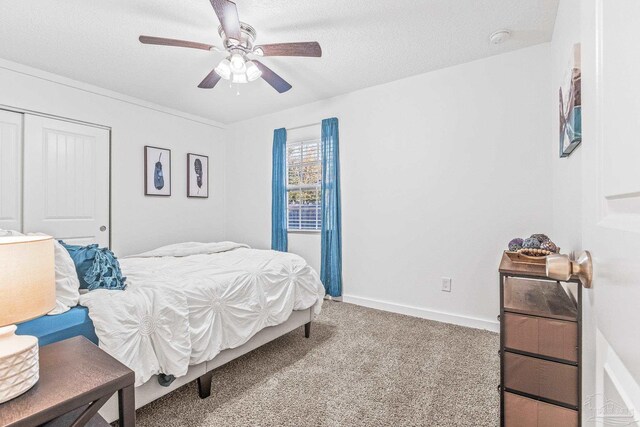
[{"x": 238, "y": 40}]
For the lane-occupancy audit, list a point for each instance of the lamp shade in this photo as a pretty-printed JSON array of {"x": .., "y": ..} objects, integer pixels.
[{"x": 27, "y": 278}]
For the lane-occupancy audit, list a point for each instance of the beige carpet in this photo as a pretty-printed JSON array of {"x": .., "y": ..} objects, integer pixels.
[{"x": 361, "y": 367}]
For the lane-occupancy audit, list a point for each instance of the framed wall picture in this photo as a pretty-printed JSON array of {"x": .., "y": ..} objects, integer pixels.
[
  {"x": 157, "y": 171},
  {"x": 570, "y": 105},
  {"x": 197, "y": 175}
]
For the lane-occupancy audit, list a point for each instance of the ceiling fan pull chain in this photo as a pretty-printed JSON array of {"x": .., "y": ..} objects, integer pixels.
[{"x": 237, "y": 86}]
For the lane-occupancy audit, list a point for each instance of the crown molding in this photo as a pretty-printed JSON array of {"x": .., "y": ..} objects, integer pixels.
[{"x": 85, "y": 87}]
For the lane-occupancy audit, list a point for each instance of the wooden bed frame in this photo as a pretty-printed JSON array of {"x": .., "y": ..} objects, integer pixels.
[{"x": 203, "y": 372}]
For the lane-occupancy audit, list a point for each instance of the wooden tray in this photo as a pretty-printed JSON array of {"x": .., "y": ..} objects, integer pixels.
[{"x": 526, "y": 259}]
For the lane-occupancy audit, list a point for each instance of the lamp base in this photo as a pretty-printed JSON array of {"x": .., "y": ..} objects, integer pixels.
[{"x": 19, "y": 368}]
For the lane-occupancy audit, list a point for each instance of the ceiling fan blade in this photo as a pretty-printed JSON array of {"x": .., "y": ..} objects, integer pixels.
[
  {"x": 173, "y": 42},
  {"x": 210, "y": 81},
  {"x": 227, "y": 13},
  {"x": 290, "y": 49},
  {"x": 277, "y": 82}
]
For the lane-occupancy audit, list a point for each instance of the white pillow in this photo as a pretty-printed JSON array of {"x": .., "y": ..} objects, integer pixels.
[{"x": 67, "y": 283}]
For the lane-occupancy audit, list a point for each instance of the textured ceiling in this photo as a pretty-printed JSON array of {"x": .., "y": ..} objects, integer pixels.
[{"x": 365, "y": 43}]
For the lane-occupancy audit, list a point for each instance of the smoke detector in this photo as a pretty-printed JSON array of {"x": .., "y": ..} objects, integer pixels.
[{"x": 499, "y": 36}]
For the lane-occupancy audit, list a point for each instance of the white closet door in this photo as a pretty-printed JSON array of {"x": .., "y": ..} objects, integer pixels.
[
  {"x": 66, "y": 180},
  {"x": 10, "y": 170}
]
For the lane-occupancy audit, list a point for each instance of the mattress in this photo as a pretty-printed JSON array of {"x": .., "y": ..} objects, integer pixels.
[{"x": 50, "y": 329}]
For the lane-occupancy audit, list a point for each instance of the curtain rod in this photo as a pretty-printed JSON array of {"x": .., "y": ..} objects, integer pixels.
[{"x": 305, "y": 126}]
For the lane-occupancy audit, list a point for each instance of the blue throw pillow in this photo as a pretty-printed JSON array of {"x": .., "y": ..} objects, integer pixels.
[{"x": 97, "y": 268}]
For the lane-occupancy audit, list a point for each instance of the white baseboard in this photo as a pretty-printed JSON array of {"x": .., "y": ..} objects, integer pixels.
[{"x": 439, "y": 316}]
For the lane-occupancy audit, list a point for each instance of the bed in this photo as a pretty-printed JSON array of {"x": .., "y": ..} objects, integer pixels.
[{"x": 188, "y": 309}]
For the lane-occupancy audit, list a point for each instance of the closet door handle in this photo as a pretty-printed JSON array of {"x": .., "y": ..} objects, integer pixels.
[{"x": 103, "y": 228}]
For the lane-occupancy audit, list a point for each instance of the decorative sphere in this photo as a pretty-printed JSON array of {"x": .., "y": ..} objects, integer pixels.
[
  {"x": 540, "y": 237},
  {"x": 548, "y": 245},
  {"x": 515, "y": 244},
  {"x": 531, "y": 243}
]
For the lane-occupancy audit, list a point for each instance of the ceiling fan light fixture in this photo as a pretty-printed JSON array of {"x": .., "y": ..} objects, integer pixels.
[
  {"x": 238, "y": 63},
  {"x": 253, "y": 72},
  {"x": 239, "y": 78},
  {"x": 224, "y": 69}
]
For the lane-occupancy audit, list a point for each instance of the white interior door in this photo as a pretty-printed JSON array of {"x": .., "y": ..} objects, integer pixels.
[
  {"x": 10, "y": 170},
  {"x": 66, "y": 180},
  {"x": 611, "y": 211}
]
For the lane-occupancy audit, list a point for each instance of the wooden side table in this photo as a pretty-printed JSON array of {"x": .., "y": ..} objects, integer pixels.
[{"x": 76, "y": 379}]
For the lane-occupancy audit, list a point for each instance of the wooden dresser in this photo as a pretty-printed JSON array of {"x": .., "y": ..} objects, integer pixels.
[{"x": 540, "y": 348}]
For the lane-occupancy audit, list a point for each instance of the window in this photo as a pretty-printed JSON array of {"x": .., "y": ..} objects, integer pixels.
[{"x": 304, "y": 177}]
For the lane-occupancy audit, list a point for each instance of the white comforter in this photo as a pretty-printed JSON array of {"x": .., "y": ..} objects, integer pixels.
[{"x": 185, "y": 303}]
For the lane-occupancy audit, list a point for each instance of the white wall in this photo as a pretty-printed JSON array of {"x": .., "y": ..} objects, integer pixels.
[
  {"x": 439, "y": 171},
  {"x": 567, "y": 171},
  {"x": 138, "y": 222}
]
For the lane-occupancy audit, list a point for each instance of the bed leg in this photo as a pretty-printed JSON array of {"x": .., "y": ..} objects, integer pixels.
[
  {"x": 204, "y": 385},
  {"x": 307, "y": 330}
]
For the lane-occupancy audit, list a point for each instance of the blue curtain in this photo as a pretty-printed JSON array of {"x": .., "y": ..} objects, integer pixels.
[
  {"x": 279, "y": 192},
  {"x": 331, "y": 263}
]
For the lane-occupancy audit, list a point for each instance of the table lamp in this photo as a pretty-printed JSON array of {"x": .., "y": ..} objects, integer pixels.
[{"x": 27, "y": 290}]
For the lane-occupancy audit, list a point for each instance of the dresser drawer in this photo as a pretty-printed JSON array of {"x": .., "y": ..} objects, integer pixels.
[
  {"x": 544, "y": 298},
  {"x": 547, "y": 337},
  {"x": 542, "y": 378},
  {"x": 524, "y": 412}
]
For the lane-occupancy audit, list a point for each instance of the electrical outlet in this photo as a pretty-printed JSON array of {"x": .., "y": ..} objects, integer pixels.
[{"x": 446, "y": 284}]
